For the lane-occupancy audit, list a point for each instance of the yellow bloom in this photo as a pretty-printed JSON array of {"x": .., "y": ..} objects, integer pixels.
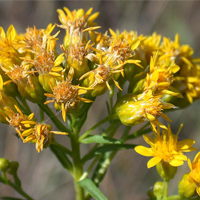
[
  {"x": 145, "y": 106},
  {"x": 40, "y": 134},
  {"x": 9, "y": 46},
  {"x": 36, "y": 40},
  {"x": 26, "y": 81},
  {"x": 66, "y": 95},
  {"x": 19, "y": 121},
  {"x": 165, "y": 147},
  {"x": 160, "y": 77},
  {"x": 195, "y": 171}
]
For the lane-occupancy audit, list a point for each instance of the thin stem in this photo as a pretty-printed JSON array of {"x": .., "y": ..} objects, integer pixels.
[
  {"x": 86, "y": 173},
  {"x": 16, "y": 186},
  {"x": 78, "y": 168},
  {"x": 106, "y": 119},
  {"x": 62, "y": 148},
  {"x": 165, "y": 189},
  {"x": 53, "y": 118},
  {"x": 41, "y": 115},
  {"x": 66, "y": 163},
  {"x": 25, "y": 105},
  {"x": 19, "y": 190}
]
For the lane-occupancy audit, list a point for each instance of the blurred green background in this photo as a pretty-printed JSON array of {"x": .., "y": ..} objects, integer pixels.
[{"x": 128, "y": 177}]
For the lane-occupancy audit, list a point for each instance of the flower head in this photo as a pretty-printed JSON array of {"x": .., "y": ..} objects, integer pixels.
[
  {"x": 166, "y": 147},
  {"x": 67, "y": 95},
  {"x": 195, "y": 171}
]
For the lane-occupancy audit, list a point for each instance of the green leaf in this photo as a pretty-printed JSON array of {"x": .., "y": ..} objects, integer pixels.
[
  {"x": 108, "y": 148},
  {"x": 88, "y": 185},
  {"x": 10, "y": 198},
  {"x": 100, "y": 139}
]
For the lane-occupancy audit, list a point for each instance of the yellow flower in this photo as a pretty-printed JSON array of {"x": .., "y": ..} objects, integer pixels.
[
  {"x": 195, "y": 171},
  {"x": 9, "y": 46},
  {"x": 166, "y": 147},
  {"x": 66, "y": 95},
  {"x": 36, "y": 40},
  {"x": 40, "y": 134},
  {"x": 160, "y": 76},
  {"x": 19, "y": 121},
  {"x": 26, "y": 81},
  {"x": 136, "y": 109}
]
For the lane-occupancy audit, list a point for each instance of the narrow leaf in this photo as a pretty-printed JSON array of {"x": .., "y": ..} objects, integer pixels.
[
  {"x": 108, "y": 148},
  {"x": 10, "y": 198},
  {"x": 100, "y": 139},
  {"x": 91, "y": 188}
]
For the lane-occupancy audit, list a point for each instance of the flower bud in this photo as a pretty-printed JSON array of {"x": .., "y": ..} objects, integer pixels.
[
  {"x": 166, "y": 171},
  {"x": 186, "y": 187},
  {"x": 128, "y": 110},
  {"x": 99, "y": 88},
  {"x": 158, "y": 188},
  {"x": 46, "y": 79},
  {"x": 13, "y": 167},
  {"x": 31, "y": 90},
  {"x": 4, "y": 164}
]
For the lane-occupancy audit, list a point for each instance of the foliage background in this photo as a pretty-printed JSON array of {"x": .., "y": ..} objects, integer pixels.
[{"x": 128, "y": 177}]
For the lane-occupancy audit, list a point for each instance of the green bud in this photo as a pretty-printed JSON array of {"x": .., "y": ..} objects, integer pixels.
[
  {"x": 4, "y": 164},
  {"x": 46, "y": 79},
  {"x": 151, "y": 195},
  {"x": 99, "y": 88},
  {"x": 13, "y": 167},
  {"x": 158, "y": 188},
  {"x": 33, "y": 92},
  {"x": 128, "y": 110},
  {"x": 186, "y": 187},
  {"x": 166, "y": 171}
]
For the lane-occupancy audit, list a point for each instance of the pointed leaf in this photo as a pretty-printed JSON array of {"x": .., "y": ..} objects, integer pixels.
[
  {"x": 10, "y": 198},
  {"x": 88, "y": 185},
  {"x": 100, "y": 139}
]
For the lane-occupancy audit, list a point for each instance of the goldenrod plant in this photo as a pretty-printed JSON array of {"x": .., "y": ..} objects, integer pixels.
[{"x": 144, "y": 76}]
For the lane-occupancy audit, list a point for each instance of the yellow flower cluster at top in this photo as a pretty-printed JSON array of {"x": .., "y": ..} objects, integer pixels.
[{"x": 160, "y": 72}]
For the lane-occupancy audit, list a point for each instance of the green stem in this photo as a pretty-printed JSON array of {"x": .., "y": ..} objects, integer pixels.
[
  {"x": 17, "y": 187},
  {"x": 175, "y": 197},
  {"x": 86, "y": 173},
  {"x": 41, "y": 115},
  {"x": 78, "y": 168},
  {"x": 53, "y": 118},
  {"x": 25, "y": 105},
  {"x": 65, "y": 162},
  {"x": 19, "y": 190},
  {"x": 62, "y": 148},
  {"x": 165, "y": 190},
  {"x": 106, "y": 119}
]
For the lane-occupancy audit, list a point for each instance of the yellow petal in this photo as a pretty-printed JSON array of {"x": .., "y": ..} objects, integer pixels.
[
  {"x": 69, "y": 13},
  {"x": 59, "y": 60},
  {"x": 11, "y": 33},
  {"x": 185, "y": 144},
  {"x": 148, "y": 139},
  {"x": 144, "y": 151},
  {"x": 2, "y": 33},
  {"x": 189, "y": 164},
  {"x": 176, "y": 163},
  {"x": 93, "y": 17},
  {"x": 27, "y": 132},
  {"x": 153, "y": 161}
]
